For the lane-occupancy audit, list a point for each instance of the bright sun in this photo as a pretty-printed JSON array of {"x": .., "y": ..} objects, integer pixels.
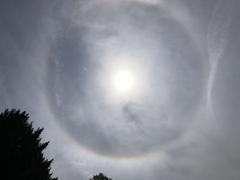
[{"x": 123, "y": 81}]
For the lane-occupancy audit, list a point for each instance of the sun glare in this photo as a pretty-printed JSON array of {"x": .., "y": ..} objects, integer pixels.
[{"x": 123, "y": 81}]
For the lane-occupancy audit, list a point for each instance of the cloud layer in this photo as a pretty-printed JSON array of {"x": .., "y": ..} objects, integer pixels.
[{"x": 182, "y": 123}]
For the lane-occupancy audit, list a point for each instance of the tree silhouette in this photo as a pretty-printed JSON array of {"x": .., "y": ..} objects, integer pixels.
[
  {"x": 21, "y": 149},
  {"x": 100, "y": 176}
]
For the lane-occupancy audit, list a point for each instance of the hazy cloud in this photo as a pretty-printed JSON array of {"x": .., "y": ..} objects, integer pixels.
[{"x": 56, "y": 62}]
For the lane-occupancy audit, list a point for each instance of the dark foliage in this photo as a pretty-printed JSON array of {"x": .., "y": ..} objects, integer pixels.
[
  {"x": 21, "y": 149},
  {"x": 100, "y": 176}
]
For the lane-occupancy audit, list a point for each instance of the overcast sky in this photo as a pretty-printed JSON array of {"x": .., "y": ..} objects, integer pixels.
[{"x": 180, "y": 118}]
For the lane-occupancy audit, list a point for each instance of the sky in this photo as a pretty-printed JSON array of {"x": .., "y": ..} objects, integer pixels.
[{"x": 136, "y": 89}]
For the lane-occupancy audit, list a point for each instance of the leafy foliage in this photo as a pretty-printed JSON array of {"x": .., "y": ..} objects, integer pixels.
[
  {"x": 21, "y": 148},
  {"x": 100, "y": 176}
]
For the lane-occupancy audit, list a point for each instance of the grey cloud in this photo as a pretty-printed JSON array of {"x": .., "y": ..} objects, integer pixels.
[{"x": 131, "y": 113}]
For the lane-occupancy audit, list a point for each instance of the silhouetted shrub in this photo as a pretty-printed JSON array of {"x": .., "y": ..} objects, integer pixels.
[
  {"x": 21, "y": 149},
  {"x": 100, "y": 176}
]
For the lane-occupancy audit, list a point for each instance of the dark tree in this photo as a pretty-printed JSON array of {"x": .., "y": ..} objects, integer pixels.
[
  {"x": 21, "y": 149},
  {"x": 100, "y": 176}
]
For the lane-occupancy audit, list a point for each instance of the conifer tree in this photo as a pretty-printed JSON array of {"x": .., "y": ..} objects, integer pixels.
[{"x": 21, "y": 149}]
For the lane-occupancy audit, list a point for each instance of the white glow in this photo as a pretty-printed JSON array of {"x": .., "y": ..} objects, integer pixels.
[{"x": 123, "y": 81}]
